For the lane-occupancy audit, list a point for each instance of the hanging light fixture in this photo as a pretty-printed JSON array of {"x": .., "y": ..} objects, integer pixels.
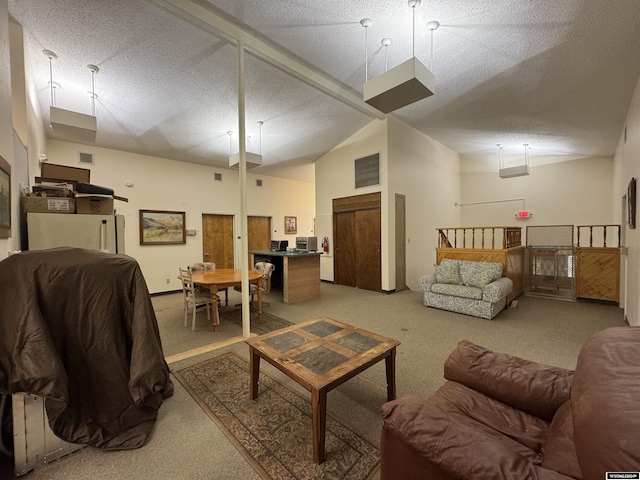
[
  {"x": 252, "y": 159},
  {"x": 403, "y": 85},
  {"x": 433, "y": 26},
  {"x": 386, "y": 42},
  {"x": 366, "y": 23},
  {"x": 65, "y": 123},
  {"x": 518, "y": 170}
]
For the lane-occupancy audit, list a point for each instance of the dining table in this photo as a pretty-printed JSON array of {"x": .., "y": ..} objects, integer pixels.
[{"x": 221, "y": 278}]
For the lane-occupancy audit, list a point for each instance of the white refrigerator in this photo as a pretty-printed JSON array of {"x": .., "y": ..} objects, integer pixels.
[{"x": 96, "y": 232}]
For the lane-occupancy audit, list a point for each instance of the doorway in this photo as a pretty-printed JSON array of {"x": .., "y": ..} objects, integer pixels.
[
  {"x": 217, "y": 240},
  {"x": 357, "y": 240},
  {"x": 401, "y": 247},
  {"x": 259, "y": 234}
]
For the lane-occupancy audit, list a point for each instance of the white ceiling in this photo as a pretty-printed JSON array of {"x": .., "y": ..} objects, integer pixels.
[{"x": 556, "y": 74}]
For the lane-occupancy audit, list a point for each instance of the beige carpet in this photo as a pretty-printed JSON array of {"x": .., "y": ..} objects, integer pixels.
[{"x": 274, "y": 432}]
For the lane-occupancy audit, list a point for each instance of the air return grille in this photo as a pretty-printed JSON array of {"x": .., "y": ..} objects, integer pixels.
[
  {"x": 367, "y": 171},
  {"x": 86, "y": 158}
]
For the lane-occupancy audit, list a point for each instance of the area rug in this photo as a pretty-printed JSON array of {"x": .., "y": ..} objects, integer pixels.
[
  {"x": 273, "y": 432},
  {"x": 260, "y": 325}
]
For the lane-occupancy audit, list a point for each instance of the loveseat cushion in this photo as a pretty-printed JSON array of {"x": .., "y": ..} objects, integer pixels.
[
  {"x": 479, "y": 274},
  {"x": 457, "y": 291},
  {"x": 448, "y": 273},
  {"x": 605, "y": 402},
  {"x": 535, "y": 388}
]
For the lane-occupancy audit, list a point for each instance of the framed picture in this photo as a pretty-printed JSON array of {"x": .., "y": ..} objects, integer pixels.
[
  {"x": 291, "y": 225},
  {"x": 162, "y": 227},
  {"x": 5, "y": 198},
  {"x": 631, "y": 203}
]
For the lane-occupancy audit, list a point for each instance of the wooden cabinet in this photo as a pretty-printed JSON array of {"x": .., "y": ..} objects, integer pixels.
[{"x": 598, "y": 273}]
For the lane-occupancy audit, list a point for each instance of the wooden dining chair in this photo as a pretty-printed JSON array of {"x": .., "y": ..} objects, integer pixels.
[
  {"x": 193, "y": 298},
  {"x": 194, "y": 267}
]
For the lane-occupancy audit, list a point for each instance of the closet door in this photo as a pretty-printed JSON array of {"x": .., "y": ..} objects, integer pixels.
[
  {"x": 345, "y": 249},
  {"x": 367, "y": 247}
]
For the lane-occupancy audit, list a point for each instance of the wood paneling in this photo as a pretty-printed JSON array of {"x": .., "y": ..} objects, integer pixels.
[
  {"x": 357, "y": 202},
  {"x": 512, "y": 260},
  {"x": 301, "y": 278},
  {"x": 217, "y": 240},
  {"x": 598, "y": 273}
]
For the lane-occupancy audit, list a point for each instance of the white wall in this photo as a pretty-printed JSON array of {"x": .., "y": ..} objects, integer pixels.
[
  {"x": 335, "y": 178},
  {"x": 626, "y": 166},
  {"x": 576, "y": 192},
  {"x": 161, "y": 184},
  {"x": 428, "y": 174}
]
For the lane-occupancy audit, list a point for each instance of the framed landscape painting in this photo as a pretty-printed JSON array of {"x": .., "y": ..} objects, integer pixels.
[{"x": 162, "y": 227}]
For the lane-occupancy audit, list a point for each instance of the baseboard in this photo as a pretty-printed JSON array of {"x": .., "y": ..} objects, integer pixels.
[{"x": 170, "y": 292}]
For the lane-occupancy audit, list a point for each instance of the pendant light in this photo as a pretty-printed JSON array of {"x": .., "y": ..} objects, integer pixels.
[
  {"x": 252, "y": 159},
  {"x": 518, "y": 170},
  {"x": 403, "y": 85}
]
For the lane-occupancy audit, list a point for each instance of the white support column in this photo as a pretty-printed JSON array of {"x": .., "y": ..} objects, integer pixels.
[{"x": 244, "y": 242}]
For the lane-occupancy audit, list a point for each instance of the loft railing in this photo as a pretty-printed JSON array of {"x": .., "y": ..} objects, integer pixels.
[
  {"x": 479, "y": 237},
  {"x": 600, "y": 233}
]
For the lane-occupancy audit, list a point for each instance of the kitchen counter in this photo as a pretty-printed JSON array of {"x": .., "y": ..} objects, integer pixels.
[{"x": 297, "y": 273}]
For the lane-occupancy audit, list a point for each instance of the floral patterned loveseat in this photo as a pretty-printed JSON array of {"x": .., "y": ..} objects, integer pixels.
[{"x": 468, "y": 287}]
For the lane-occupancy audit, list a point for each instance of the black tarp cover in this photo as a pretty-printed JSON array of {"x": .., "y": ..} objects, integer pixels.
[{"x": 78, "y": 328}]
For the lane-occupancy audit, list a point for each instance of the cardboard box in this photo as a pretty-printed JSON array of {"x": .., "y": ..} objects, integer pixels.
[
  {"x": 62, "y": 172},
  {"x": 94, "y": 204},
  {"x": 48, "y": 205}
]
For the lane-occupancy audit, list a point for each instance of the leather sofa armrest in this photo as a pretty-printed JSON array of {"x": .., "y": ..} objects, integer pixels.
[
  {"x": 497, "y": 290},
  {"x": 426, "y": 281},
  {"x": 533, "y": 387}
]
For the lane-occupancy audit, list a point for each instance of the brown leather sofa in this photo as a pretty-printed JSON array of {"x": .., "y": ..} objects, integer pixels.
[{"x": 503, "y": 417}]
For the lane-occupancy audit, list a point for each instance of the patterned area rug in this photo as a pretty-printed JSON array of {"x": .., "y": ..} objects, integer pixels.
[
  {"x": 265, "y": 324},
  {"x": 274, "y": 432}
]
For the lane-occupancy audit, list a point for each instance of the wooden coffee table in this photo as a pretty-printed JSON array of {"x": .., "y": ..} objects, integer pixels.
[{"x": 321, "y": 354}]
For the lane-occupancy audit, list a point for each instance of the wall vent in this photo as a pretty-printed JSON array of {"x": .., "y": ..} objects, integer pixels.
[
  {"x": 258, "y": 182},
  {"x": 367, "y": 171},
  {"x": 217, "y": 177},
  {"x": 86, "y": 158}
]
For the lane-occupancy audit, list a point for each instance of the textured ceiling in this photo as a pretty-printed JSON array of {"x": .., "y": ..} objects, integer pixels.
[{"x": 558, "y": 75}]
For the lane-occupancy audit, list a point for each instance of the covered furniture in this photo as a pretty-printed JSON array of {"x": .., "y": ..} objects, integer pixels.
[
  {"x": 77, "y": 327},
  {"x": 465, "y": 286},
  {"x": 502, "y": 417},
  {"x": 193, "y": 297}
]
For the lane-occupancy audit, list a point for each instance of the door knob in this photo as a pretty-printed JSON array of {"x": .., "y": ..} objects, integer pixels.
[{"x": 206, "y": 254}]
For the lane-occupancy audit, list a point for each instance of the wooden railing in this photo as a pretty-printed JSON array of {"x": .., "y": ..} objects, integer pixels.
[
  {"x": 456, "y": 237},
  {"x": 601, "y": 234}
]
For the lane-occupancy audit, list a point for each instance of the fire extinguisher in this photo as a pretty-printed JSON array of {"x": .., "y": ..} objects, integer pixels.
[{"x": 325, "y": 244}]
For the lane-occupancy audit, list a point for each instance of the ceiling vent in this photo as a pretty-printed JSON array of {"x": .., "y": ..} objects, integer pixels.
[
  {"x": 367, "y": 171},
  {"x": 86, "y": 158}
]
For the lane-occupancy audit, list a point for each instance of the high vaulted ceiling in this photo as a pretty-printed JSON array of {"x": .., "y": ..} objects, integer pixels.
[{"x": 558, "y": 75}]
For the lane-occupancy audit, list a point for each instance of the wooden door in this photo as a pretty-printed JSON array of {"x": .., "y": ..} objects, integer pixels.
[
  {"x": 345, "y": 249},
  {"x": 217, "y": 240},
  {"x": 401, "y": 247},
  {"x": 259, "y": 234},
  {"x": 367, "y": 247}
]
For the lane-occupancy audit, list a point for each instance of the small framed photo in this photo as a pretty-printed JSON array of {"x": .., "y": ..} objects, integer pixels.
[
  {"x": 5, "y": 198},
  {"x": 162, "y": 227},
  {"x": 290, "y": 225}
]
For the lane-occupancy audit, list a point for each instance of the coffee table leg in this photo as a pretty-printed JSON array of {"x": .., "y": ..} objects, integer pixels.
[
  {"x": 254, "y": 369},
  {"x": 319, "y": 407},
  {"x": 390, "y": 362}
]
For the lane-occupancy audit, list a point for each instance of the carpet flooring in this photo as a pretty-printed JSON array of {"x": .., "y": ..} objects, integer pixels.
[
  {"x": 259, "y": 325},
  {"x": 274, "y": 432}
]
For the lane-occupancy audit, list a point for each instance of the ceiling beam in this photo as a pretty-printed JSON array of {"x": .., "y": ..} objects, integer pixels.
[{"x": 198, "y": 14}]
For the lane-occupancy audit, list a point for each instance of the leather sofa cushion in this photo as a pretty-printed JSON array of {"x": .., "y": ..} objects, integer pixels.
[
  {"x": 457, "y": 291},
  {"x": 605, "y": 401},
  {"x": 535, "y": 388},
  {"x": 559, "y": 453},
  {"x": 468, "y": 435}
]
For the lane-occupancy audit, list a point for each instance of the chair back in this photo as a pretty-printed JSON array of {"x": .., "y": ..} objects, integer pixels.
[
  {"x": 187, "y": 282},
  {"x": 266, "y": 269},
  {"x": 194, "y": 267}
]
